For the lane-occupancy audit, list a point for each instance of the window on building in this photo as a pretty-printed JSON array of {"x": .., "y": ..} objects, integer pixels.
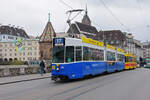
[
  {"x": 10, "y": 45},
  {"x": 15, "y": 54},
  {"x": 1, "y": 50},
  {"x": 29, "y": 58},
  {"x": 1, "y": 55},
  {"x": 3, "y": 37},
  {"x": 30, "y": 48},
  {"x": 29, "y": 43},
  {"x": 5, "y": 54},
  {"x": 29, "y": 53},
  {"x": 10, "y": 49},
  {"x": 10, "y": 54},
  {"x": 10, "y": 37},
  {"x": 1, "y": 45}
]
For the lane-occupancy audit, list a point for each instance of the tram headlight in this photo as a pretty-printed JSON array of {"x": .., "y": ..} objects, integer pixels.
[{"x": 57, "y": 69}]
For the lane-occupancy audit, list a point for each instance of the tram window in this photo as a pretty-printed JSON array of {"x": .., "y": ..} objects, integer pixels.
[
  {"x": 69, "y": 54},
  {"x": 120, "y": 57},
  {"x": 78, "y": 53},
  {"x": 58, "y": 54},
  {"x": 100, "y": 55},
  {"x": 92, "y": 54},
  {"x": 86, "y": 53},
  {"x": 126, "y": 59},
  {"x": 96, "y": 55},
  {"x": 129, "y": 59},
  {"x": 110, "y": 56}
]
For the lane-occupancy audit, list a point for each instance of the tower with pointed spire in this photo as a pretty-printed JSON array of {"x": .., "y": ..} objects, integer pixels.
[
  {"x": 46, "y": 40},
  {"x": 86, "y": 20}
]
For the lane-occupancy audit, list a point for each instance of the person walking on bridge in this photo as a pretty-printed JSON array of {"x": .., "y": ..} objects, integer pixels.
[{"x": 42, "y": 66}]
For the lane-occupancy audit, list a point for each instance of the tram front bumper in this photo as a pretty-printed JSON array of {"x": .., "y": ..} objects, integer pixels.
[
  {"x": 58, "y": 77},
  {"x": 54, "y": 78}
]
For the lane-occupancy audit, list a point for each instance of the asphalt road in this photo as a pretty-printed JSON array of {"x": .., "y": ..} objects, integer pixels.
[{"x": 127, "y": 85}]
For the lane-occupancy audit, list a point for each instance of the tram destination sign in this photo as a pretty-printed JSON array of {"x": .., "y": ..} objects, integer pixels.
[{"x": 58, "y": 41}]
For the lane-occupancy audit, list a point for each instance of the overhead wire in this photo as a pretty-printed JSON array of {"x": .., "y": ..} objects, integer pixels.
[
  {"x": 79, "y": 13},
  {"x": 140, "y": 12},
  {"x": 65, "y": 4},
  {"x": 114, "y": 16}
]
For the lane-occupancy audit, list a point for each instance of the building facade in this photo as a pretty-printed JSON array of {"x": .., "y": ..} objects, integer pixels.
[
  {"x": 8, "y": 51},
  {"x": 112, "y": 37},
  {"x": 139, "y": 50},
  {"x": 45, "y": 41},
  {"x": 10, "y": 33},
  {"x": 146, "y": 47},
  {"x": 130, "y": 47},
  {"x": 84, "y": 28}
]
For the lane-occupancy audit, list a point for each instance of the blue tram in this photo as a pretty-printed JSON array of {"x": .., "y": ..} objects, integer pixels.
[{"x": 76, "y": 58}]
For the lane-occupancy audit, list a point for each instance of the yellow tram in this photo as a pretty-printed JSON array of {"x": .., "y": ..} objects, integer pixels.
[{"x": 130, "y": 61}]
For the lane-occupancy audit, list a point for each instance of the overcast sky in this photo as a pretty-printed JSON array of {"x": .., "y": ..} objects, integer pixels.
[{"x": 126, "y": 15}]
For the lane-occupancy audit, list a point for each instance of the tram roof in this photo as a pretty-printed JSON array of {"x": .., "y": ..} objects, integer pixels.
[
  {"x": 130, "y": 55},
  {"x": 84, "y": 42}
]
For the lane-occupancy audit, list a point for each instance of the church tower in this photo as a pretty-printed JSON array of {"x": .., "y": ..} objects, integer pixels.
[
  {"x": 46, "y": 41},
  {"x": 86, "y": 20}
]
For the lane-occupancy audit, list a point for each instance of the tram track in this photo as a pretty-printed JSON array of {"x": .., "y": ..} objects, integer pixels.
[
  {"x": 64, "y": 90},
  {"x": 86, "y": 87}
]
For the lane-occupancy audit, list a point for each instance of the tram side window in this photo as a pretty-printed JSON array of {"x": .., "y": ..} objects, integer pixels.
[
  {"x": 100, "y": 55},
  {"x": 86, "y": 53},
  {"x": 69, "y": 54},
  {"x": 96, "y": 55},
  {"x": 131, "y": 59},
  {"x": 120, "y": 57},
  {"x": 78, "y": 53},
  {"x": 110, "y": 56},
  {"x": 91, "y": 54},
  {"x": 126, "y": 59}
]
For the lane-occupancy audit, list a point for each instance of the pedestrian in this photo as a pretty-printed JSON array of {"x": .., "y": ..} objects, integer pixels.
[
  {"x": 141, "y": 61},
  {"x": 42, "y": 66}
]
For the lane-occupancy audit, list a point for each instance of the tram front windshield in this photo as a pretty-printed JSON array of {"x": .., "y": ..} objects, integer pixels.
[{"x": 58, "y": 54}]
